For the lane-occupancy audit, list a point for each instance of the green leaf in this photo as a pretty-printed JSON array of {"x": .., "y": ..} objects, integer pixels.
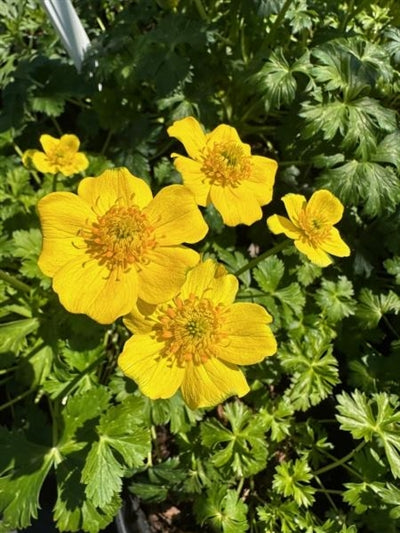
[
  {"x": 27, "y": 246},
  {"x": 73, "y": 511},
  {"x": 279, "y": 516},
  {"x": 79, "y": 410},
  {"x": 242, "y": 448},
  {"x": 372, "y": 185},
  {"x": 276, "y": 81},
  {"x": 393, "y": 267},
  {"x": 292, "y": 479},
  {"x": 234, "y": 260},
  {"x": 122, "y": 444},
  {"x": 313, "y": 369},
  {"x": 223, "y": 509},
  {"x": 13, "y": 334},
  {"x": 373, "y": 307},
  {"x": 24, "y": 467},
  {"x": 336, "y": 299},
  {"x": 161, "y": 479},
  {"x": 374, "y": 418},
  {"x": 52, "y": 106},
  {"x": 278, "y": 419},
  {"x": 269, "y": 273}
]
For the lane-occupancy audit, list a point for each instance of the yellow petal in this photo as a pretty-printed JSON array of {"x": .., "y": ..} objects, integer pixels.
[
  {"x": 27, "y": 158},
  {"x": 138, "y": 322},
  {"x": 176, "y": 217},
  {"x": 294, "y": 204},
  {"x": 315, "y": 255},
  {"x": 156, "y": 377},
  {"x": 116, "y": 185},
  {"x": 49, "y": 143},
  {"x": 223, "y": 134},
  {"x": 193, "y": 178},
  {"x": 204, "y": 281},
  {"x": 43, "y": 164},
  {"x": 62, "y": 215},
  {"x": 333, "y": 244},
  {"x": 211, "y": 383},
  {"x": 89, "y": 288},
  {"x": 324, "y": 206},
  {"x": 189, "y": 132},
  {"x": 77, "y": 163},
  {"x": 236, "y": 206},
  {"x": 262, "y": 178},
  {"x": 278, "y": 224},
  {"x": 69, "y": 143},
  {"x": 162, "y": 278},
  {"x": 249, "y": 339}
]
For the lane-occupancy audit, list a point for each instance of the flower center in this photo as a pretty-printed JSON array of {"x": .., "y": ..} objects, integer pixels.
[
  {"x": 191, "y": 329},
  {"x": 315, "y": 228},
  {"x": 226, "y": 163},
  {"x": 121, "y": 237}
]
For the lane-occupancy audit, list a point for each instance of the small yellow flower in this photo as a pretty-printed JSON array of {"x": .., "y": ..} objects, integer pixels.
[
  {"x": 310, "y": 224},
  {"x": 60, "y": 155},
  {"x": 113, "y": 243},
  {"x": 221, "y": 170},
  {"x": 195, "y": 341}
]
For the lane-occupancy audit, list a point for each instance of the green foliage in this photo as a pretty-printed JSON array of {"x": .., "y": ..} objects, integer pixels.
[
  {"x": 292, "y": 479},
  {"x": 314, "y": 446}
]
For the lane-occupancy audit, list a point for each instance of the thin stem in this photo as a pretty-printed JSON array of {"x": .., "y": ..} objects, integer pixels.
[
  {"x": 106, "y": 143},
  {"x": 240, "y": 486},
  {"x": 201, "y": 10},
  {"x": 278, "y": 21},
  {"x": 251, "y": 264},
  {"x": 71, "y": 385},
  {"x": 327, "y": 492},
  {"x": 16, "y": 399},
  {"x": 339, "y": 462},
  {"x": 14, "y": 282}
]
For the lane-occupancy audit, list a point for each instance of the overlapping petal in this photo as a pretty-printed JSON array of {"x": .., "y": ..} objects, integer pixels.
[
  {"x": 189, "y": 132},
  {"x": 223, "y": 172},
  {"x": 175, "y": 214},
  {"x": 155, "y": 376},
  {"x": 203, "y": 333},
  {"x": 211, "y": 383},
  {"x": 311, "y": 226},
  {"x": 85, "y": 286},
  {"x": 115, "y": 186}
]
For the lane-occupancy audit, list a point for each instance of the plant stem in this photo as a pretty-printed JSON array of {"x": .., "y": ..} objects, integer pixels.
[
  {"x": 278, "y": 21},
  {"x": 16, "y": 399},
  {"x": 275, "y": 249},
  {"x": 14, "y": 282},
  {"x": 339, "y": 462},
  {"x": 201, "y": 10}
]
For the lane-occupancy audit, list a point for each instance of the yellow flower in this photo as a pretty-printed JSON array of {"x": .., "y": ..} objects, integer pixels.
[
  {"x": 221, "y": 170},
  {"x": 310, "y": 224},
  {"x": 60, "y": 155},
  {"x": 196, "y": 340},
  {"x": 113, "y": 243}
]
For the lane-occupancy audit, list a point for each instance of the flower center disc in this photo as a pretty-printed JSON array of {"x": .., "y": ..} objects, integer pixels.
[
  {"x": 315, "y": 228},
  {"x": 121, "y": 237},
  {"x": 191, "y": 329},
  {"x": 226, "y": 164}
]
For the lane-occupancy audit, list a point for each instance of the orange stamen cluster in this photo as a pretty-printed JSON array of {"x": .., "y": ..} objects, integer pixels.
[
  {"x": 226, "y": 164},
  {"x": 191, "y": 329},
  {"x": 121, "y": 237}
]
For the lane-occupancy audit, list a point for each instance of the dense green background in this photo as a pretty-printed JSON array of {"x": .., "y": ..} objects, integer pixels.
[{"x": 315, "y": 446}]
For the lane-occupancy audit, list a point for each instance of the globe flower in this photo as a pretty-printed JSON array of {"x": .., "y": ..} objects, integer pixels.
[
  {"x": 60, "y": 155},
  {"x": 221, "y": 170},
  {"x": 310, "y": 224},
  {"x": 113, "y": 243},
  {"x": 195, "y": 341}
]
